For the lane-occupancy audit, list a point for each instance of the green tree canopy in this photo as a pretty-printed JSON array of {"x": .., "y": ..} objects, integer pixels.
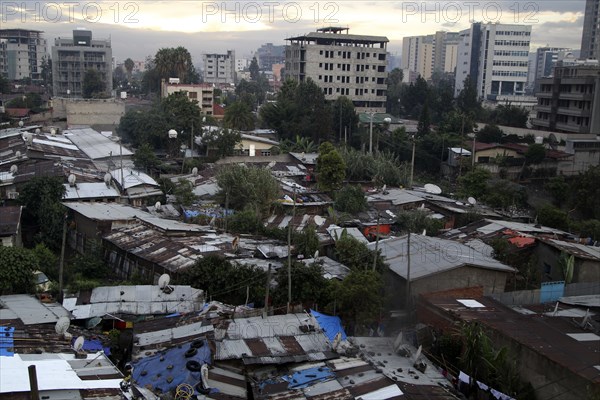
[
  {"x": 222, "y": 142},
  {"x": 309, "y": 287},
  {"x": 184, "y": 192},
  {"x": 535, "y": 154},
  {"x": 243, "y": 187},
  {"x": 474, "y": 183},
  {"x": 239, "y": 116},
  {"x": 350, "y": 199},
  {"x": 585, "y": 192},
  {"x": 16, "y": 270},
  {"x": 344, "y": 117},
  {"x": 145, "y": 158},
  {"x": 356, "y": 255},
  {"x": 93, "y": 85},
  {"x": 331, "y": 168},
  {"x": 223, "y": 281},
  {"x": 490, "y": 134},
  {"x": 394, "y": 91},
  {"x": 254, "y": 69}
]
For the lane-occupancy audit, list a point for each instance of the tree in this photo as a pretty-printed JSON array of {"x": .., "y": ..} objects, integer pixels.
[
  {"x": 254, "y": 69},
  {"x": 32, "y": 101},
  {"x": 559, "y": 189},
  {"x": 309, "y": 287},
  {"x": 184, "y": 193},
  {"x": 474, "y": 183},
  {"x": 467, "y": 100},
  {"x": 502, "y": 193},
  {"x": 417, "y": 221},
  {"x": 93, "y": 85},
  {"x": 350, "y": 199},
  {"x": 16, "y": 270},
  {"x": 359, "y": 298},
  {"x": 356, "y": 255},
  {"x": 243, "y": 187},
  {"x": 145, "y": 158},
  {"x": 128, "y": 64},
  {"x": 424, "y": 126},
  {"x": 222, "y": 141},
  {"x": 509, "y": 115},
  {"x": 344, "y": 117},
  {"x": 414, "y": 97},
  {"x": 4, "y": 85},
  {"x": 307, "y": 241},
  {"x": 585, "y": 193},
  {"x": 224, "y": 281},
  {"x": 330, "y": 169},
  {"x": 490, "y": 134},
  {"x": 394, "y": 90},
  {"x": 238, "y": 116},
  {"x": 41, "y": 198},
  {"x": 553, "y": 217},
  {"x": 90, "y": 265},
  {"x": 535, "y": 154}
]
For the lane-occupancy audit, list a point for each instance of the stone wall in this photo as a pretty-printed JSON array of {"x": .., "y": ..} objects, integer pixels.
[{"x": 88, "y": 111}]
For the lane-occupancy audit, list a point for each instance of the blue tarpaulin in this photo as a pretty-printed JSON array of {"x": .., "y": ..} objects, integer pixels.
[
  {"x": 330, "y": 325},
  {"x": 170, "y": 365},
  {"x": 6, "y": 341},
  {"x": 308, "y": 377},
  {"x": 93, "y": 346}
]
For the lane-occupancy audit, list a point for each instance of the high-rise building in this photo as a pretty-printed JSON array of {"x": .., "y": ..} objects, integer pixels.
[
  {"x": 268, "y": 54},
  {"x": 72, "y": 57},
  {"x": 430, "y": 53},
  {"x": 546, "y": 58},
  {"x": 219, "y": 68},
  {"x": 569, "y": 101},
  {"x": 342, "y": 65},
  {"x": 21, "y": 54},
  {"x": 590, "y": 39},
  {"x": 495, "y": 57}
]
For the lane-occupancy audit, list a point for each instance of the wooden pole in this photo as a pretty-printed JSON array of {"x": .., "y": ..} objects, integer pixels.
[
  {"x": 34, "y": 394},
  {"x": 266, "y": 309},
  {"x": 376, "y": 245},
  {"x": 290, "y": 227},
  {"x": 408, "y": 271},
  {"x": 61, "y": 265}
]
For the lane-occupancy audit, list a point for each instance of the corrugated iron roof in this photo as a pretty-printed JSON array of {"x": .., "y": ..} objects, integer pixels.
[{"x": 32, "y": 311}]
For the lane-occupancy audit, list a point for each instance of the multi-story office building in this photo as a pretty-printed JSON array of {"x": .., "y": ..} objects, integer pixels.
[
  {"x": 342, "y": 65},
  {"x": 569, "y": 101},
  {"x": 545, "y": 60},
  {"x": 430, "y": 53},
  {"x": 268, "y": 54},
  {"x": 203, "y": 93},
  {"x": 21, "y": 54},
  {"x": 590, "y": 39},
  {"x": 495, "y": 57},
  {"x": 72, "y": 57},
  {"x": 219, "y": 68}
]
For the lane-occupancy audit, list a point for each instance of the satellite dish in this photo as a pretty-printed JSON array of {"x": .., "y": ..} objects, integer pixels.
[
  {"x": 107, "y": 178},
  {"x": 419, "y": 350},
  {"x": 553, "y": 141},
  {"x": 458, "y": 203},
  {"x": 316, "y": 255},
  {"x": 204, "y": 375},
  {"x": 157, "y": 206},
  {"x": 28, "y": 138},
  {"x": 78, "y": 345},
  {"x": 433, "y": 189},
  {"x": 72, "y": 178},
  {"x": 472, "y": 201},
  {"x": 163, "y": 281},
  {"x": 18, "y": 154},
  {"x": 53, "y": 132},
  {"x": 21, "y": 124},
  {"x": 336, "y": 340},
  {"x": 383, "y": 190},
  {"x": 195, "y": 171},
  {"x": 38, "y": 131},
  {"x": 424, "y": 232},
  {"x": 14, "y": 169},
  {"x": 62, "y": 325}
]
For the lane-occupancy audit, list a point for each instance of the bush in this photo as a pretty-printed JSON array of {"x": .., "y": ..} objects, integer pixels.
[{"x": 350, "y": 199}]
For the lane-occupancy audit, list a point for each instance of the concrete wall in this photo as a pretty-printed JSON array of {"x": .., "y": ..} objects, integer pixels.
[
  {"x": 584, "y": 270},
  {"x": 88, "y": 111},
  {"x": 257, "y": 159}
]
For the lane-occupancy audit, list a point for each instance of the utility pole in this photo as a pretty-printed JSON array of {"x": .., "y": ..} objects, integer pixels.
[
  {"x": 340, "y": 104},
  {"x": 376, "y": 244},
  {"x": 61, "y": 265},
  {"x": 371, "y": 132},
  {"x": 226, "y": 208},
  {"x": 33, "y": 383},
  {"x": 121, "y": 156},
  {"x": 412, "y": 162},
  {"x": 462, "y": 138},
  {"x": 408, "y": 271},
  {"x": 290, "y": 227},
  {"x": 266, "y": 309},
  {"x": 191, "y": 142}
]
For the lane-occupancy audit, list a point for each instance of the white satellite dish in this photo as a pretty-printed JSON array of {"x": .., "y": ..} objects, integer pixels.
[
  {"x": 157, "y": 205},
  {"x": 28, "y": 136},
  {"x": 38, "y": 131},
  {"x": 433, "y": 189},
  {"x": 62, "y": 325},
  {"x": 419, "y": 350},
  {"x": 53, "y": 132},
  {"x": 21, "y": 124},
  {"x": 78, "y": 345},
  {"x": 72, "y": 178},
  {"x": 204, "y": 375},
  {"x": 14, "y": 169},
  {"x": 18, "y": 154},
  {"x": 107, "y": 178},
  {"x": 195, "y": 171},
  {"x": 316, "y": 255},
  {"x": 383, "y": 190},
  {"x": 336, "y": 340},
  {"x": 163, "y": 281},
  {"x": 472, "y": 201},
  {"x": 458, "y": 203}
]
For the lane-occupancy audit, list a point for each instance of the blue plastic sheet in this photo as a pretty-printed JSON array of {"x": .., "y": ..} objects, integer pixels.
[
  {"x": 158, "y": 369},
  {"x": 93, "y": 346},
  {"x": 308, "y": 377},
  {"x": 6, "y": 341},
  {"x": 330, "y": 325}
]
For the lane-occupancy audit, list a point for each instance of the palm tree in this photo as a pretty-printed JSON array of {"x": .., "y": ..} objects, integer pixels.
[
  {"x": 238, "y": 116},
  {"x": 129, "y": 64}
]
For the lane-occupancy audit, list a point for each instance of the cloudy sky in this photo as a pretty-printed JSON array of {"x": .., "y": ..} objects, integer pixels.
[{"x": 139, "y": 28}]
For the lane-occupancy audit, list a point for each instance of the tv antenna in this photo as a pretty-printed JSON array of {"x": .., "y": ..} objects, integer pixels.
[{"x": 432, "y": 189}]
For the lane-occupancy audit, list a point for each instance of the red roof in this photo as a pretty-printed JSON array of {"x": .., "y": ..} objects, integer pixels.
[
  {"x": 218, "y": 110},
  {"x": 18, "y": 112}
]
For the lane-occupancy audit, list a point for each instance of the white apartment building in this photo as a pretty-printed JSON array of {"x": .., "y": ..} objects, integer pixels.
[
  {"x": 241, "y": 64},
  {"x": 427, "y": 54},
  {"x": 203, "y": 93},
  {"x": 495, "y": 57},
  {"x": 21, "y": 54},
  {"x": 342, "y": 65},
  {"x": 219, "y": 68}
]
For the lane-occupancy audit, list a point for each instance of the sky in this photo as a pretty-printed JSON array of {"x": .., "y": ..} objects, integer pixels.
[{"x": 139, "y": 28}]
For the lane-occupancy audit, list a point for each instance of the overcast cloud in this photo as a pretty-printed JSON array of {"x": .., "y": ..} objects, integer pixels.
[{"x": 139, "y": 29}]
